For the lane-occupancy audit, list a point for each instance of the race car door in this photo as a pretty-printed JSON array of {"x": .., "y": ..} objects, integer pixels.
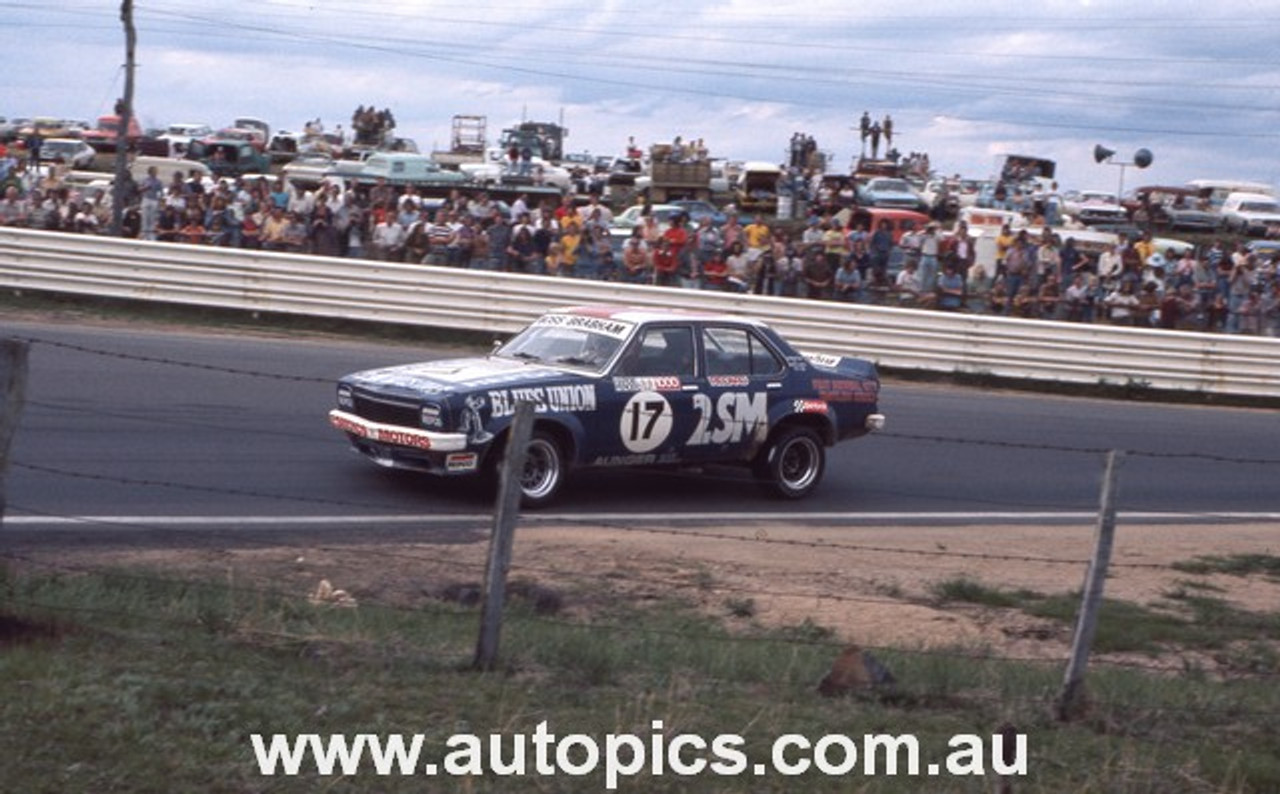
[
  {"x": 654, "y": 383},
  {"x": 742, "y": 374}
]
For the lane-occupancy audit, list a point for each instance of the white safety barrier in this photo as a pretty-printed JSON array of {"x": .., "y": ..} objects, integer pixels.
[{"x": 500, "y": 303}]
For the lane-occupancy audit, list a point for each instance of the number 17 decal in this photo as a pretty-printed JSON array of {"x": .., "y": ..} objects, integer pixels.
[{"x": 646, "y": 421}]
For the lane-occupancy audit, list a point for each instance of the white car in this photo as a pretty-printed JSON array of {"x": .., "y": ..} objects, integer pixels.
[
  {"x": 627, "y": 220},
  {"x": 180, "y": 136},
  {"x": 1093, "y": 206},
  {"x": 497, "y": 168},
  {"x": 1251, "y": 213},
  {"x": 72, "y": 151}
]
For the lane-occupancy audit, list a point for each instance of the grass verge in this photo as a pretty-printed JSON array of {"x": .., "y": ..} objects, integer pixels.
[{"x": 123, "y": 681}]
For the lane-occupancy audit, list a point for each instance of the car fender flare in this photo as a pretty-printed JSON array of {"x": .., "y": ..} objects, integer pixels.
[
  {"x": 566, "y": 428},
  {"x": 806, "y": 413}
]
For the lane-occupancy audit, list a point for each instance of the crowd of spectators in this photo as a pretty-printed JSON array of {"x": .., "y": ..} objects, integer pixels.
[{"x": 1033, "y": 276}]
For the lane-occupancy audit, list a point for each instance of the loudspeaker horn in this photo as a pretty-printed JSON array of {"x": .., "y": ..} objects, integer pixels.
[{"x": 1101, "y": 153}]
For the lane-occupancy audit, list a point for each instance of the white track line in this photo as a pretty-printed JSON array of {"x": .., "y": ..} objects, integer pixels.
[{"x": 397, "y": 519}]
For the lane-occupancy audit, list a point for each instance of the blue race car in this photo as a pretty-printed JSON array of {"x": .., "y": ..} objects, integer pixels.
[{"x": 617, "y": 387}]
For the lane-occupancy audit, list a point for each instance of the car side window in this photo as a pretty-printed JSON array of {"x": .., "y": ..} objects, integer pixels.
[
  {"x": 659, "y": 351},
  {"x": 738, "y": 351}
]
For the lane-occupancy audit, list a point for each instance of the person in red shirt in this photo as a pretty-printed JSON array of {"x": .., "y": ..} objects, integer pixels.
[
  {"x": 665, "y": 264},
  {"x": 715, "y": 272},
  {"x": 677, "y": 237}
]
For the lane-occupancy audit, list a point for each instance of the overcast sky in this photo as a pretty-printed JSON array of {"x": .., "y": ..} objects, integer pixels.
[{"x": 1196, "y": 83}]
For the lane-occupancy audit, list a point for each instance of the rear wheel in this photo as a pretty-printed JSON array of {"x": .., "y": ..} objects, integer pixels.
[{"x": 793, "y": 463}]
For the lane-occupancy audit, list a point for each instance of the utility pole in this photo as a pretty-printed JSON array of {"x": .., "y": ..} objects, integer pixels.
[{"x": 124, "y": 111}]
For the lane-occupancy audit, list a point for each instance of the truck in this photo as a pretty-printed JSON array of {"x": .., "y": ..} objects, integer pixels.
[
  {"x": 757, "y": 190},
  {"x": 466, "y": 142},
  {"x": 104, "y": 136},
  {"x": 671, "y": 179}
]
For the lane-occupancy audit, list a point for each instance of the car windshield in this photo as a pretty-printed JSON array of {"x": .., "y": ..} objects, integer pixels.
[
  {"x": 568, "y": 340},
  {"x": 1259, "y": 206}
]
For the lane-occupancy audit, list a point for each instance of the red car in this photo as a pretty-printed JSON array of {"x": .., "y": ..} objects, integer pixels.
[{"x": 103, "y": 137}]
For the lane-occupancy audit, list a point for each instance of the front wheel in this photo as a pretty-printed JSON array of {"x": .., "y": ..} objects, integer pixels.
[
  {"x": 544, "y": 471},
  {"x": 793, "y": 463}
]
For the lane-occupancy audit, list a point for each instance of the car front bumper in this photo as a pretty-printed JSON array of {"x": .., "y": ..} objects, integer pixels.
[{"x": 394, "y": 446}]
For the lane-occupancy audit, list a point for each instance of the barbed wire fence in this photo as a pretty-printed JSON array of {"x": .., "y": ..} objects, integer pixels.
[{"x": 409, "y": 548}]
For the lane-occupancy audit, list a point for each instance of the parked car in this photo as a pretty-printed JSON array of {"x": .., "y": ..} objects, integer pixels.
[
  {"x": 890, "y": 193},
  {"x": 697, "y": 210},
  {"x": 245, "y": 134},
  {"x": 1092, "y": 207},
  {"x": 1255, "y": 214},
  {"x": 942, "y": 197},
  {"x": 1173, "y": 208},
  {"x": 496, "y": 170},
  {"x": 229, "y": 157},
  {"x": 633, "y": 216},
  {"x": 407, "y": 168},
  {"x": 901, "y": 222},
  {"x": 617, "y": 387},
  {"x": 166, "y": 167},
  {"x": 179, "y": 136},
  {"x": 72, "y": 151},
  {"x": 11, "y": 129}
]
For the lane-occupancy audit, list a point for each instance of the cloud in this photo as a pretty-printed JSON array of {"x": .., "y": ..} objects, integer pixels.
[{"x": 1195, "y": 84}]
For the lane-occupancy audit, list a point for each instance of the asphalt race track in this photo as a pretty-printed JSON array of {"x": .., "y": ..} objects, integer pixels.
[{"x": 151, "y": 428}]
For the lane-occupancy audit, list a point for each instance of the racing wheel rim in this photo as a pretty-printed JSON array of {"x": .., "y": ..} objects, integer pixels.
[
  {"x": 542, "y": 469},
  {"x": 799, "y": 463}
]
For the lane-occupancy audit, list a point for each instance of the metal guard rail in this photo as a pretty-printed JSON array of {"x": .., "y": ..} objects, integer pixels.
[{"x": 499, "y": 303}]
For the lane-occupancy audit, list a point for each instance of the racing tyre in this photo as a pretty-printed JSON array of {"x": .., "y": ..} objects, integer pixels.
[
  {"x": 544, "y": 471},
  {"x": 793, "y": 463}
]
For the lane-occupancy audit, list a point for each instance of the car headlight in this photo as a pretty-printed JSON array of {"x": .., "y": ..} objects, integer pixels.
[
  {"x": 432, "y": 415},
  {"x": 345, "y": 400}
]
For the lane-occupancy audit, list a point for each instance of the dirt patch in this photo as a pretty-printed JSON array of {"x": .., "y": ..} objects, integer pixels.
[{"x": 876, "y": 586}]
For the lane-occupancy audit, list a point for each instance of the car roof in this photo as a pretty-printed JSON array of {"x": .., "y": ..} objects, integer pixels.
[{"x": 644, "y": 314}]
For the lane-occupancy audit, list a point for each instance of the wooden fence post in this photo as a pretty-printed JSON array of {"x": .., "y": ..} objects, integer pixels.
[
  {"x": 1071, "y": 700},
  {"x": 13, "y": 393},
  {"x": 504, "y": 530}
]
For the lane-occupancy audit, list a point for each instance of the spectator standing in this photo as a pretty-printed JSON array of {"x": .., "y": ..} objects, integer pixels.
[
  {"x": 1250, "y": 313},
  {"x": 665, "y": 264},
  {"x": 635, "y": 258},
  {"x": 14, "y": 210},
  {"x": 498, "y": 233},
  {"x": 977, "y": 287},
  {"x": 1121, "y": 304},
  {"x": 950, "y": 288},
  {"x": 1077, "y": 300},
  {"x": 152, "y": 193},
  {"x": 715, "y": 273},
  {"x": 848, "y": 282},
  {"x": 522, "y": 254},
  {"x": 737, "y": 268},
  {"x": 756, "y": 238},
  {"x": 1050, "y": 295},
  {"x": 929, "y": 246},
  {"x": 881, "y": 248},
  {"x": 788, "y": 267},
  {"x": 388, "y": 239},
  {"x": 817, "y": 274}
]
